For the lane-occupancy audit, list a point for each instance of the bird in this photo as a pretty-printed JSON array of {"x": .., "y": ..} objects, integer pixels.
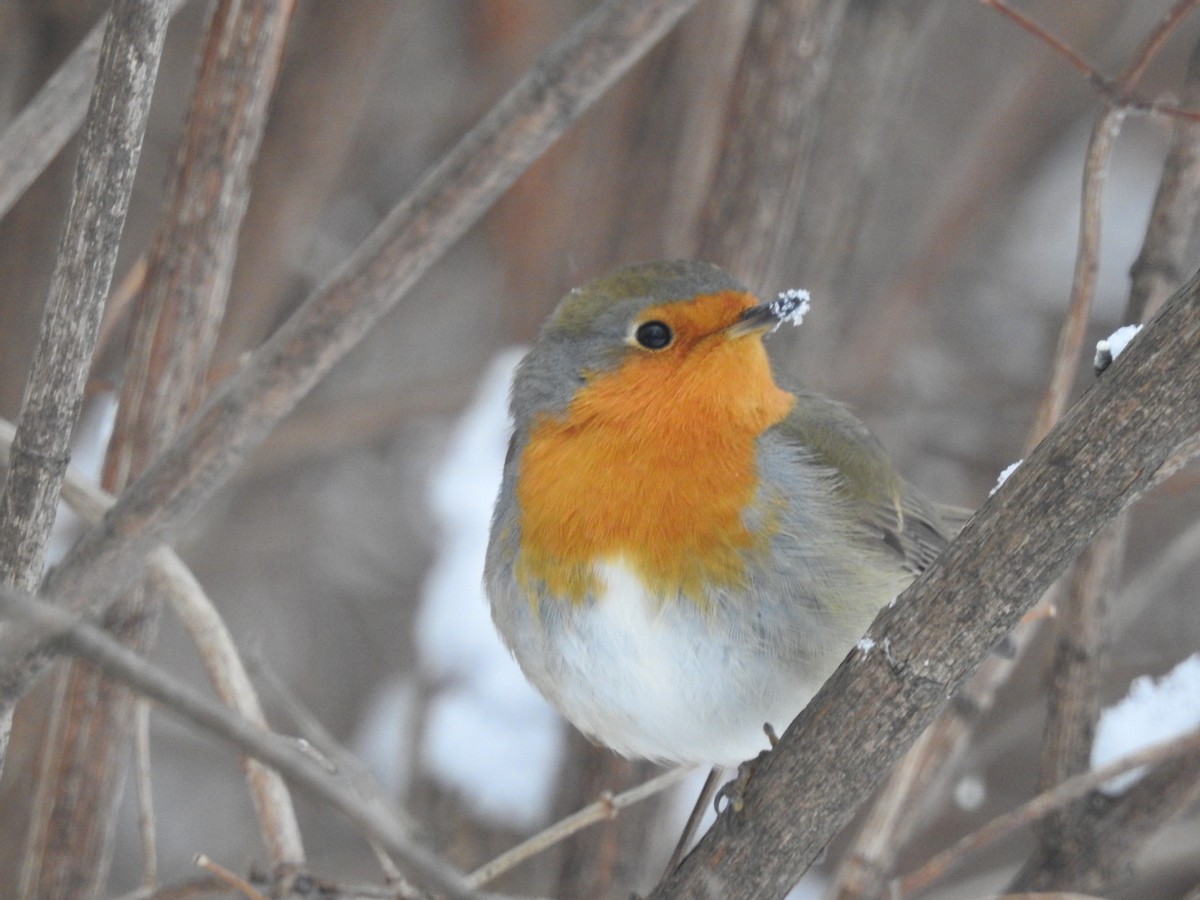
[{"x": 683, "y": 549}]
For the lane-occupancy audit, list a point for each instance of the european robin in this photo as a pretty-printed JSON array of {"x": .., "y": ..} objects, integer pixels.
[{"x": 682, "y": 549}]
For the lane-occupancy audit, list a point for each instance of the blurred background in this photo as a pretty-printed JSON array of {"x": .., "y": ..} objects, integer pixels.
[{"x": 936, "y": 232}]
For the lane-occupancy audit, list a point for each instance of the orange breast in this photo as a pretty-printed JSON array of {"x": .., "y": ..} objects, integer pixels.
[{"x": 653, "y": 463}]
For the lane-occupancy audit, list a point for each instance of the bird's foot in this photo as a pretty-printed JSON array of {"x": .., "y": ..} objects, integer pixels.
[{"x": 734, "y": 793}]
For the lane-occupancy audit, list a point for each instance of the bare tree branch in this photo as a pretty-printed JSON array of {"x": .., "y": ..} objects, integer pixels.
[
  {"x": 45, "y": 125},
  {"x": 108, "y": 159},
  {"x": 57, "y": 625},
  {"x": 1096, "y": 461},
  {"x": 103, "y": 179},
  {"x": 178, "y": 312},
  {"x": 1161, "y": 755},
  {"x": 750, "y": 214}
]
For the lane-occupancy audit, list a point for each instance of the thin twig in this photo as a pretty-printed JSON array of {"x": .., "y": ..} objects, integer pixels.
[
  {"x": 230, "y": 879},
  {"x": 1152, "y": 43},
  {"x": 56, "y": 625},
  {"x": 1043, "y": 804},
  {"x": 350, "y": 766},
  {"x": 1083, "y": 283},
  {"x": 1062, "y": 48},
  {"x": 195, "y": 887},
  {"x": 272, "y": 802},
  {"x": 605, "y": 808},
  {"x": 1118, "y": 91},
  {"x": 453, "y": 195},
  {"x": 147, "y": 826}
]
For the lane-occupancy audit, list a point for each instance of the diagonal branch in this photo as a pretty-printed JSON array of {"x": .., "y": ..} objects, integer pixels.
[
  {"x": 1100, "y": 458},
  {"x": 60, "y": 626}
]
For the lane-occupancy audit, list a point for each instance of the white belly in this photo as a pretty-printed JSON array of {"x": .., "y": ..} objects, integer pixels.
[{"x": 664, "y": 682}]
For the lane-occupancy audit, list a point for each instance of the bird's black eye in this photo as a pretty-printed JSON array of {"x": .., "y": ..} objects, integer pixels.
[{"x": 653, "y": 335}]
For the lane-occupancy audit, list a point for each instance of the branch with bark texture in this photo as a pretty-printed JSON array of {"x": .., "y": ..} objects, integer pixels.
[
  {"x": 178, "y": 312},
  {"x": 215, "y": 645},
  {"x": 55, "y": 625},
  {"x": 1096, "y": 461},
  {"x": 87, "y": 253}
]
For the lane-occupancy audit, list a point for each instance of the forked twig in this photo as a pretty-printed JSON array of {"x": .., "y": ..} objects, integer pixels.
[
  {"x": 1043, "y": 804},
  {"x": 605, "y": 808}
]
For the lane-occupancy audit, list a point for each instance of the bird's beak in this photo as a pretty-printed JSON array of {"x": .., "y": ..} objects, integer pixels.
[
  {"x": 790, "y": 306},
  {"x": 756, "y": 320}
]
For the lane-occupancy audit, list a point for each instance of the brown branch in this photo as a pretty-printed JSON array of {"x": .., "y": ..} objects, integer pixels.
[
  {"x": 1059, "y": 46},
  {"x": 1152, "y": 44},
  {"x": 1097, "y": 460},
  {"x": 177, "y": 314},
  {"x": 1160, "y": 755},
  {"x": 1118, "y": 91},
  {"x": 1159, "y": 265},
  {"x": 750, "y": 214},
  {"x": 43, "y": 127},
  {"x": 605, "y": 808},
  {"x": 1079, "y": 663},
  {"x": 1083, "y": 283},
  {"x": 217, "y": 650},
  {"x": 452, "y": 196},
  {"x": 63, "y": 628},
  {"x": 922, "y": 773},
  {"x": 350, "y": 766},
  {"x": 1067, "y": 840},
  {"x": 87, "y": 252},
  {"x": 83, "y": 269}
]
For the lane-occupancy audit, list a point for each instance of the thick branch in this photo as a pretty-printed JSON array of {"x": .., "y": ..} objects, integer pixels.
[
  {"x": 178, "y": 312},
  {"x": 1096, "y": 461},
  {"x": 750, "y": 214},
  {"x": 108, "y": 159}
]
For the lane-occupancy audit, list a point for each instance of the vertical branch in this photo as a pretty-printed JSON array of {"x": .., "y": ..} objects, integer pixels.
[
  {"x": 178, "y": 313},
  {"x": 1083, "y": 285},
  {"x": 1159, "y": 267},
  {"x": 1093, "y": 843},
  {"x": 750, "y": 214},
  {"x": 108, "y": 159}
]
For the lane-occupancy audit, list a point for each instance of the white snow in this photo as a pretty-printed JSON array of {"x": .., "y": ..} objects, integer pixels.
[
  {"x": 89, "y": 443},
  {"x": 791, "y": 306},
  {"x": 1155, "y": 710},
  {"x": 488, "y": 734},
  {"x": 865, "y": 644},
  {"x": 1116, "y": 342},
  {"x": 1003, "y": 476}
]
